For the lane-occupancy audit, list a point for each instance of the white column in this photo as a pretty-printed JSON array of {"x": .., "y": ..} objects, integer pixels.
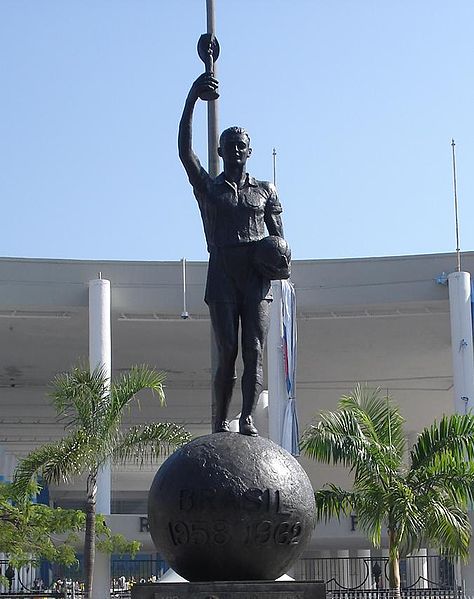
[
  {"x": 276, "y": 373},
  {"x": 364, "y": 569},
  {"x": 459, "y": 284},
  {"x": 325, "y": 571},
  {"x": 3, "y": 558},
  {"x": 417, "y": 569},
  {"x": 433, "y": 568},
  {"x": 423, "y": 554},
  {"x": 385, "y": 568},
  {"x": 100, "y": 355},
  {"x": 457, "y": 572},
  {"x": 10, "y": 462},
  {"x": 260, "y": 416},
  {"x": 343, "y": 575},
  {"x": 100, "y": 345}
]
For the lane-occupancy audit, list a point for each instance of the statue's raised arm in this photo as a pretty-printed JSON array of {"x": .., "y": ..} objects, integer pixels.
[{"x": 205, "y": 83}]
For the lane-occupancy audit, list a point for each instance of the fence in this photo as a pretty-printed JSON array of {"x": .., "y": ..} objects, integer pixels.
[
  {"x": 346, "y": 578},
  {"x": 20, "y": 581},
  {"x": 420, "y": 576},
  {"x": 405, "y": 594}
]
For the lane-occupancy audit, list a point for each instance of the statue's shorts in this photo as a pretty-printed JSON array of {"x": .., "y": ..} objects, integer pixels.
[{"x": 232, "y": 277}]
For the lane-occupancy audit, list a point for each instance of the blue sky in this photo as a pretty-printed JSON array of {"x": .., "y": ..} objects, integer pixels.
[{"x": 359, "y": 97}]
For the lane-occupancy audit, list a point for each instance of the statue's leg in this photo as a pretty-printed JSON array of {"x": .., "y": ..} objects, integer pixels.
[
  {"x": 225, "y": 323},
  {"x": 255, "y": 321}
]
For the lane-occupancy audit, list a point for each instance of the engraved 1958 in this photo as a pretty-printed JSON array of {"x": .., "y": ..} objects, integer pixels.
[
  {"x": 199, "y": 533},
  {"x": 218, "y": 532}
]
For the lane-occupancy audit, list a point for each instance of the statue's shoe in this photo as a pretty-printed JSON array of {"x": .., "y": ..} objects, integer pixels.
[
  {"x": 222, "y": 426},
  {"x": 246, "y": 427}
]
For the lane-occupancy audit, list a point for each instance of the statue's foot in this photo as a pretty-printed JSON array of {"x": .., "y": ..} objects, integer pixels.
[
  {"x": 246, "y": 427},
  {"x": 222, "y": 426}
]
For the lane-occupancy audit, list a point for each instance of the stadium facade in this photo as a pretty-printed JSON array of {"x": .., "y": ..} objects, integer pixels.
[{"x": 385, "y": 321}]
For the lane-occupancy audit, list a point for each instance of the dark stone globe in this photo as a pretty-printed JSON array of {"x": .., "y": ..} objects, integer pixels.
[{"x": 231, "y": 507}]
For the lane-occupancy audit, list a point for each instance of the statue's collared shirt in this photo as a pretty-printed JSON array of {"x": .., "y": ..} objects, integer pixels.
[
  {"x": 232, "y": 215},
  {"x": 234, "y": 219}
]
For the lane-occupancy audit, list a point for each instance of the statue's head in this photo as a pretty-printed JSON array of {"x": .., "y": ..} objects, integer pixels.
[{"x": 234, "y": 145}]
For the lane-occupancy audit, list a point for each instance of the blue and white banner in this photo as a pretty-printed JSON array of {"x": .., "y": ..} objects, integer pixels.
[{"x": 290, "y": 432}]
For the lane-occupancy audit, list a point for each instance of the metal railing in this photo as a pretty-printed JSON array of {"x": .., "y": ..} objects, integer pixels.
[
  {"x": 420, "y": 576},
  {"x": 389, "y": 594},
  {"x": 432, "y": 577},
  {"x": 23, "y": 580}
]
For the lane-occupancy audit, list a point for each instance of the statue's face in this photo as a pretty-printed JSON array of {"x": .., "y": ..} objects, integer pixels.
[{"x": 235, "y": 149}]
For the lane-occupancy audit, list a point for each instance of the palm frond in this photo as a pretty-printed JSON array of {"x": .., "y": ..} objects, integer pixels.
[
  {"x": 454, "y": 435},
  {"x": 370, "y": 508},
  {"x": 332, "y": 502},
  {"x": 448, "y": 527},
  {"x": 406, "y": 519},
  {"x": 445, "y": 474},
  {"x": 124, "y": 390},
  {"x": 336, "y": 439},
  {"x": 349, "y": 437},
  {"x": 366, "y": 504},
  {"x": 56, "y": 461},
  {"x": 379, "y": 419},
  {"x": 78, "y": 396},
  {"x": 149, "y": 442}
]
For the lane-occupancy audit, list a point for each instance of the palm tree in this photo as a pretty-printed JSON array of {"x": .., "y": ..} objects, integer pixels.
[
  {"x": 420, "y": 497},
  {"x": 92, "y": 410}
]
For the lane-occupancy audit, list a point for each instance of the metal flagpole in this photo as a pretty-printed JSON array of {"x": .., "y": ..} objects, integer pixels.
[
  {"x": 274, "y": 167},
  {"x": 212, "y": 106},
  {"x": 456, "y": 211},
  {"x": 213, "y": 167}
]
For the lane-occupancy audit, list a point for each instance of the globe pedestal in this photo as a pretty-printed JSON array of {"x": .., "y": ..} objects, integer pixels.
[
  {"x": 227, "y": 507},
  {"x": 230, "y": 590}
]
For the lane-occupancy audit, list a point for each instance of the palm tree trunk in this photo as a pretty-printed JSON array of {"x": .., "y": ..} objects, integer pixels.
[
  {"x": 393, "y": 567},
  {"x": 89, "y": 536}
]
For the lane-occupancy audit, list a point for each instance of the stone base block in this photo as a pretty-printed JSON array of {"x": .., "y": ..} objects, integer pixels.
[{"x": 231, "y": 590}]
